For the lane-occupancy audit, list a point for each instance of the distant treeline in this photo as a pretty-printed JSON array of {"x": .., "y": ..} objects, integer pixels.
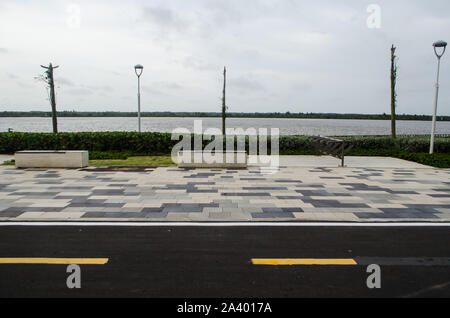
[{"x": 212, "y": 114}]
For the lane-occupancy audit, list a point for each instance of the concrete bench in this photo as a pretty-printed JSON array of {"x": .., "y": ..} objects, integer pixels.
[
  {"x": 216, "y": 159},
  {"x": 51, "y": 159}
]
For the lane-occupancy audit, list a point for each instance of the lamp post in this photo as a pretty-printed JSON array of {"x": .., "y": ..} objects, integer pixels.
[
  {"x": 436, "y": 45},
  {"x": 138, "y": 70}
]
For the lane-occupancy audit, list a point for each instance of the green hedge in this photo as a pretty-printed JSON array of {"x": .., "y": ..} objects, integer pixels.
[
  {"x": 411, "y": 144},
  {"x": 145, "y": 143},
  {"x": 108, "y": 145}
]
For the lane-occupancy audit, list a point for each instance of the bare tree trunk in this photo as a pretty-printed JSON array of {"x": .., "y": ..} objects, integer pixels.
[
  {"x": 51, "y": 83},
  {"x": 53, "y": 101},
  {"x": 393, "y": 93},
  {"x": 224, "y": 107}
]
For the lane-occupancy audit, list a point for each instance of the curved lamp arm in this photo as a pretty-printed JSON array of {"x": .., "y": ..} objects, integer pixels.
[{"x": 439, "y": 55}]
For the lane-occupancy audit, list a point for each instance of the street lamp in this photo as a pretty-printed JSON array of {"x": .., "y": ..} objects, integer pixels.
[
  {"x": 138, "y": 70},
  {"x": 437, "y": 45}
]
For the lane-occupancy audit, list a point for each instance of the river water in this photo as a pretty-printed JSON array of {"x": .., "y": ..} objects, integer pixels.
[{"x": 324, "y": 127}]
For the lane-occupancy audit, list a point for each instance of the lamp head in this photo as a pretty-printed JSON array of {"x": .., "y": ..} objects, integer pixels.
[
  {"x": 138, "y": 69},
  {"x": 439, "y": 44}
]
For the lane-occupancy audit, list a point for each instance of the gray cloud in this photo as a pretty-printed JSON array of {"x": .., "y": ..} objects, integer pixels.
[
  {"x": 197, "y": 64},
  {"x": 223, "y": 12},
  {"x": 164, "y": 18},
  {"x": 152, "y": 90},
  {"x": 244, "y": 83},
  {"x": 168, "y": 85},
  {"x": 301, "y": 87},
  {"x": 64, "y": 81},
  {"x": 12, "y": 76},
  {"x": 103, "y": 88},
  {"x": 314, "y": 56},
  {"x": 80, "y": 91},
  {"x": 23, "y": 84}
]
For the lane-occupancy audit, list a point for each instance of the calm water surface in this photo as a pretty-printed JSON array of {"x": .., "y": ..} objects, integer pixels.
[{"x": 326, "y": 127}]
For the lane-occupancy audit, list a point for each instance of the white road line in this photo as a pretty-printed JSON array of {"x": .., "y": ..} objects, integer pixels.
[{"x": 228, "y": 224}]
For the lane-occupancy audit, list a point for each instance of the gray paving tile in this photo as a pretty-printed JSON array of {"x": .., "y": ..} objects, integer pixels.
[{"x": 241, "y": 195}]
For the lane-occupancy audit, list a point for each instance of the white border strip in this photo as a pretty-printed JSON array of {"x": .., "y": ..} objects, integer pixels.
[{"x": 228, "y": 224}]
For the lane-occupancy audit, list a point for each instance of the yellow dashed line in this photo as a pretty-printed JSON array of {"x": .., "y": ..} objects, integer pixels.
[
  {"x": 43, "y": 260},
  {"x": 303, "y": 261}
]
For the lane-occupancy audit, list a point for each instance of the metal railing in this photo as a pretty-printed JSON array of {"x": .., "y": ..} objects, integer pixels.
[{"x": 332, "y": 146}]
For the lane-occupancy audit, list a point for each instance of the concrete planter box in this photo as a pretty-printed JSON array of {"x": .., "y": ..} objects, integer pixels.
[
  {"x": 51, "y": 159},
  {"x": 222, "y": 159}
]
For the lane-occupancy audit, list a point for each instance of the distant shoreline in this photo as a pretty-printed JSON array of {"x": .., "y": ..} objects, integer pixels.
[{"x": 286, "y": 115}]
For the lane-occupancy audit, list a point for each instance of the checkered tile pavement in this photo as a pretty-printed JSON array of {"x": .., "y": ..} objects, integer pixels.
[{"x": 173, "y": 194}]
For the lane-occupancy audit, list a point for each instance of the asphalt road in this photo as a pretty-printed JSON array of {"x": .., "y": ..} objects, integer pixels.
[{"x": 167, "y": 261}]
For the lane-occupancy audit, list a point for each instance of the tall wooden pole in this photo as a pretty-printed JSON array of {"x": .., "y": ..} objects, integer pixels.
[
  {"x": 51, "y": 83},
  {"x": 393, "y": 93},
  {"x": 224, "y": 107}
]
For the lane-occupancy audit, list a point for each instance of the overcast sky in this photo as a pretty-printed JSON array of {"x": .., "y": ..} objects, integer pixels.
[{"x": 281, "y": 55}]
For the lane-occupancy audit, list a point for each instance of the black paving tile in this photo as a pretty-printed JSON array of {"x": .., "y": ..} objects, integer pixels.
[
  {"x": 72, "y": 197},
  {"x": 439, "y": 195},
  {"x": 318, "y": 186},
  {"x": 290, "y": 197},
  {"x": 292, "y": 210},
  {"x": 155, "y": 215},
  {"x": 111, "y": 192},
  {"x": 113, "y": 205},
  {"x": 152, "y": 210},
  {"x": 273, "y": 215},
  {"x": 430, "y": 208},
  {"x": 272, "y": 210},
  {"x": 49, "y": 182},
  {"x": 320, "y": 193},
  {"x": 50, "y": 175},
  {"x": 365, "y": 187},
  {"x": 333, "y": 203},
  {"x": 245, "y": 194},
  {"x": 332, "y": 178},
  {"x": 70, "y": 188},
  {"x": 93, "y": 215},
  {"x": 442, "y": 190},
  {"x": 396, "y": 215},
  {"x": 195, "y": 190},
  {"x": 288, "y": 181},
  {"x": 41, "y": 194},
  {"x": 264, "y": 188},
  {"x": 10, "y": 214}
]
